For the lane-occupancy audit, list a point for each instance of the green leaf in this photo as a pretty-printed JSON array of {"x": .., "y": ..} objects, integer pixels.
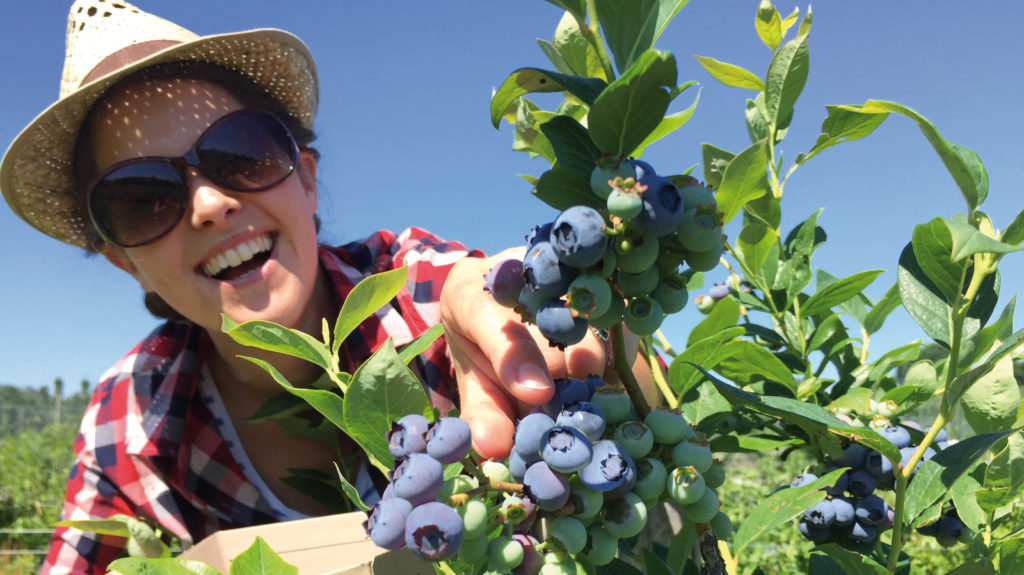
[
  {"x": 852, "y": 563},
  {"x": 856, "y": 307},
  {"x": 166, "y": 566},
  {"x": 570, "y": 42},
  {"x": 750, "y": 443},
  {"x": 876, "y": 317},
  {"x": 578, "y": 8},
  {"x": 724, "y": 315},
  {"x": 757, "y": 123},
  {"x": 562, "y": 189},
  {"x": 745, "y": 178},
  {"x": 967, "y": 240},
  {"x": 260, "y": 559},
  {"x": 631, "y": 107},
  {"x": 927, "y": 304},
  {"x": 351, "y": 492},
  {"x": 629, "y": 28},
  {"x": 755, "y": 243},
  {"x": 383, "y": 390},
  {"x": 574, "y": 149},
  {"x": 795, "y": 274},
  {"x": 420, "y": 344},
  {"x": 730, "y": 74},
  {"x": 842, "y": 125},
  {"x": 681, "y": 546},
  {"x": 144, "y": 542},
  {"x": 824, "y": 332},
  {"x": 555, "y": 57},
  {"x": 706, "y": 352},
  {"x": 747, "y": 360},
  {"x": 668, "y": 124},
  {"x": 981, "y": 343},
  {"x": 967, "y": 170},
  {"x": 667, "y": 10},
  {"x": 527, "y": 137},
  {"x": 769, "y": 25},
  {"x": 923, "y": 379},
  {"x": 279, "y": 406},
  {"x": 805, "y": 24},
  {"x": 788, "y": 21},
  {"x": 654, "y": 565},
  {"x": 707, "y": 403},
  {"x": 715, "y": 161},
  {"x": 991, "y": 403},
  {"x": 328, "y": 403},
  {"x": 964, "y": 381},
  {"x": 274, "y": 337},
  {"x": 1014, "y": 233},
  {"x": 933, "y": 244},
  {"x": 857, "y": 399},
  {"x": 787, "y": 74},
  {"x": 369, "y": 295},
  {"x": 530, "y": 80},
  {"x": 838, "y": 292},
  {"x": 1011, "y": 556},
  {"x": 937, "y": 475},
  {"x": 965, "y": 501},
  {"x": 116, "y": 525},
  {"x": 779, "y": 508}
]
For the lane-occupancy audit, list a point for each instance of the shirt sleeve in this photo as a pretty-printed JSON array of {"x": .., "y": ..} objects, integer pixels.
[{"x": 90, "y": 495}]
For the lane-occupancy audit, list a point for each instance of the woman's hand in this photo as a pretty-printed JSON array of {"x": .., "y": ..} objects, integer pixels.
[{"x": 503, "y": 366}]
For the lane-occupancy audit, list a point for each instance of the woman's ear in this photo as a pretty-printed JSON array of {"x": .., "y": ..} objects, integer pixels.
[
  {"x": 307, "y": 175},
  {"x": 117, "y": 256}
]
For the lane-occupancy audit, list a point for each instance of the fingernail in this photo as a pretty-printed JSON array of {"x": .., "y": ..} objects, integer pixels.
[{"x": 532, "y": 376}]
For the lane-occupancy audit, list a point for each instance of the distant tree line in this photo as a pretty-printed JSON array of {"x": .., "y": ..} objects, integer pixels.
[{"x": 32, "y": 409}]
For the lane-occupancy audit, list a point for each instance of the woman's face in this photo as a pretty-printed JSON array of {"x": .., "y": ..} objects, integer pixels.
[{"x": 186, "y": 267}]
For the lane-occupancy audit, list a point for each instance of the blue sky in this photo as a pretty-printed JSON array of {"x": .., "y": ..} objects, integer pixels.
[{"x": 406, "y": 139}]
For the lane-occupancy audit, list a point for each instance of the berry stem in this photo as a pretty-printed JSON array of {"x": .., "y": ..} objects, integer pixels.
[{"x": 624, "y": 368}]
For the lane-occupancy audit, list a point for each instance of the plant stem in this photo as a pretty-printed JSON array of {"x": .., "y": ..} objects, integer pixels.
[
  {"x": 624, "y": 368},
  {"x": 592, "y": 32},
  {"x": 659, "y": 377}
]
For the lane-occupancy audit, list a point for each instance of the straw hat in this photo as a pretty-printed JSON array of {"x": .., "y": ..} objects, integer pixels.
[{"x": 107, "y": 40}]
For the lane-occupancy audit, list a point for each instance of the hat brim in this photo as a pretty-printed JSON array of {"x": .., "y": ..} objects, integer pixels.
[{"x": 37, "y": 176}]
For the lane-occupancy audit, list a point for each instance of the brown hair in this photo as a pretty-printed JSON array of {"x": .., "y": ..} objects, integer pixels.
[{"x": 248, "y": 93}]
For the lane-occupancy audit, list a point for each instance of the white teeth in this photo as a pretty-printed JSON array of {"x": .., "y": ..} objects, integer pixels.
[{"x": 232, "y": 257}]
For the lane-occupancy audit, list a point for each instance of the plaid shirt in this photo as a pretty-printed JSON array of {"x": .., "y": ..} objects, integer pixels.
[{"x": 150, "y": 447}]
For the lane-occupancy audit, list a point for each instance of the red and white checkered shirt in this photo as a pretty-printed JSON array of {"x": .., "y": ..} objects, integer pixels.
[{"x": 150, "y": 447}]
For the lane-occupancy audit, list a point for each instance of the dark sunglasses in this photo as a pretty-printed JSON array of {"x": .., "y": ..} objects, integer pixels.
[{"x": 138, "y": 201}]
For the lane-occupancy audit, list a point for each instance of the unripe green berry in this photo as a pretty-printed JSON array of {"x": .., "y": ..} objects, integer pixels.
[
  {"x": 496, "y": 470},
  {"x": 624, "y": 203},
  {"x": 586, "y": 502},
  {"x": 668, "y": 426},
  {"x": 643, "y": 316},
  {"x": 651, "y": 479},
  {"x": 613, "y": 402},
  {"x": 570, "y": 532},
  {"x": 695, "y": 195},
  {"x": 504, "y": 553},
  {"x": 635, "y": 439},
  {"x": 589, "y": 295},
  {"x": 704, "y": 303},
  {"x": 625, "y": 517},
  {"x": 607, "y": 170},
  {"x": 638, "y": 284},
  {"x": 702, "y": 261},
  {"x": 687, "y": 453},
  {"x": 612, "y": 317},
  {"x": 473, "y": 550},
  {"x": 641, "y": 254},
  {"x": 474, "y": 518},
  {"x": 714, "y": 477},
  {"x": 721, "y": 525},
  {"x": 601, "y": 546},
  {"x": 685, "y": 485},
  {"x": 671, "y": 293},
  {"x": 704, "y": 509}
]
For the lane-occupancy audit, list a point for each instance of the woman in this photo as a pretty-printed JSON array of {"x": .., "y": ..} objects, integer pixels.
[{"x": 186, "y": 162}]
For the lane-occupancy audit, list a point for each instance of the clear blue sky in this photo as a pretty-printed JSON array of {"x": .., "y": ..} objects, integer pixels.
[{"x": 405, "y": 89}]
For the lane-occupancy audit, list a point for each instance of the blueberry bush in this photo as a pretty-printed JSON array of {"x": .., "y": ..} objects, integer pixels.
[{"x": 779, "y": 364}]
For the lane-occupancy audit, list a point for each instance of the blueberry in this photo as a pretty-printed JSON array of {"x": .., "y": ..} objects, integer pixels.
[
  {"x": 651, "y": 478},
  {"x": 565, "y": 449},
  {"x": 609, "y": 468},
  {"x": 636, "y": 255},
  {"x": 662, "y": 207},
  {"x": 433, "y": 531},
  {"x": 504, "y": 553},
  {"x": 685, "y": 485},
  {"x": 545, "y": 486},
  {"x": 505, "y": 281},
  {"x": 697, "y": 195},
  {"x": 641, "y": 169},
  {"x": 669, "y": 427},
  {"x": 638, "y": 284},
  {"x": 623, "y": 203},
  {"x": 703, "y": 261},
  {"x": 803, "y": 479},
  {"x": 704, "y": 508},
  {"x": 871, "y": 509},
  {"x": 517, "y": 465},
  {"x": 418, "y": 478},
  {"x": 557, "y": 323},
  {"x": 601, "y": 545},
  {"x": 584, "y": 416},
  {"x": 474, "y": 518},
  {"x": 385, "y": 523},
  {"x": 529, "y": 303},
  {"x": 541, "y": 233},
  {"x": 700, "y": 228},
  {"x": 532, "y": 560},
  {"x": 687, "y": 453},
  {"x": 578, "y": 236},
  {"x": 594, "y": 382},
  {"x": 844, "y": 510},
  {"x": 671, "y": 293},
  {"x": 515, "y": 510},
  {"x": 408, "y": 435},
  {"x": 816, "y": 535},
  {"x": 840, "y": 485},
  {"x": 861, "y": 533},
  {"x": 862, "y": 483},
  {"x": 545, "y": 273},
  {"x": 949, "y": 530},
  {"x": 570, "y": 532},
  {"x": 496, "y": 470},
  {"x": 635, "y": 438},
  {"x": 625, "y": 517},
  {"x": 880, "y": 467},
  {"x": 612, "y": 317},
  {"x": 608, "y": 168},
  {"x": 718, "y": 291},
  {"x": 472, "y": 549},
  {"x": 448, "y": 439},
  {"x": 896, "y": 435},
  {"x": 714, "y": 477},
  {"x": 943, "y": 435},
  {"x": 853, "y": 456},
  {"x": 643, "y": 315},
  {"x": 567, "y": 390},
  {"x": 721, "y": 525},
  {"x": 528, "y": 435},
  {"x": 613, "y": 402},
  {"x": 821, "y": 514},
  {"x": 589, "y": 295}
]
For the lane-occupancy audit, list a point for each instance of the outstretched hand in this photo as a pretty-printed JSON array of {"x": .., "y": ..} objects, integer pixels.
[{"x": 504, "y": 367}]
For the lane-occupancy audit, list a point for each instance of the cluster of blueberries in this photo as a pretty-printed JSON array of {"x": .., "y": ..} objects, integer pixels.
[
  {"x": 851, "y": 510},
  {"x": 582, "y": 475},
  {"x": 620, "y": 263}
]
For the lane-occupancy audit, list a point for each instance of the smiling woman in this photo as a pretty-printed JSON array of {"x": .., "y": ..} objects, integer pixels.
[{"x": 185, "y": 160}]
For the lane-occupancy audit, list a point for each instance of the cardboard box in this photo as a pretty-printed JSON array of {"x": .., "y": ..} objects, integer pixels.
[{"x": 331, "y": 545}]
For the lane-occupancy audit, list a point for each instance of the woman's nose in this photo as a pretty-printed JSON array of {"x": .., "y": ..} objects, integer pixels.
[{"x": 211, "y": 204}]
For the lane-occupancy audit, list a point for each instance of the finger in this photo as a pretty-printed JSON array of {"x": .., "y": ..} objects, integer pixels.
[{"x": 484, "y": 405}]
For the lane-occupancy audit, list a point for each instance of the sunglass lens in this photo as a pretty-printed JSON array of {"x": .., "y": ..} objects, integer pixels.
[
  {"x": 138, "y": 202},
  {"x": 248, "y": 152}
]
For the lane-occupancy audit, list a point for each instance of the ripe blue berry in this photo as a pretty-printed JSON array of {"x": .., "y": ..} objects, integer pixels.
[
  {"x": 609, "y": 468},
  {"x": 861, "y": 533},
  {"x": 408, "y": 435},
  {"x": 528, "y": 435},
  {"x": 718, "y": 291},
  {"x": 433, "y": 531},
  {"x": 871, "y": 510},
  {"x": 949, "y": 530},
  {"x": 418, "y": 478},
  {"x": 578, "y": 236},
  {"x": 557, "y": 323},
  {"x": 803, "y": 479},
  {"x": 879, "y": 466},
  {"x": 584, "y": 416},
  {"x": 541, "y": 233},
  {"x": 571, "y": 390},
  {"x": 641, "y": 169},
  {"x": 896, "y": 435},
  {"x": 505, "y": 281},
  {"x": 545, "y": 486},
  {"x": 565, "y": 449},
  {"x": 821, "y": 514},
  {"x": 814, "y": 534},
  {"x": 448, "y": 439},
  {"x": 844, "y": 510},
  {"x": 386, "y": 523},
  {"x": 662, "y": 207},
  {"x": 545, "y": 273},
  {"x": 517, "y": 465},
  {"x": 853, "y": 456},
  {"x": 862, "y": 483}
]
